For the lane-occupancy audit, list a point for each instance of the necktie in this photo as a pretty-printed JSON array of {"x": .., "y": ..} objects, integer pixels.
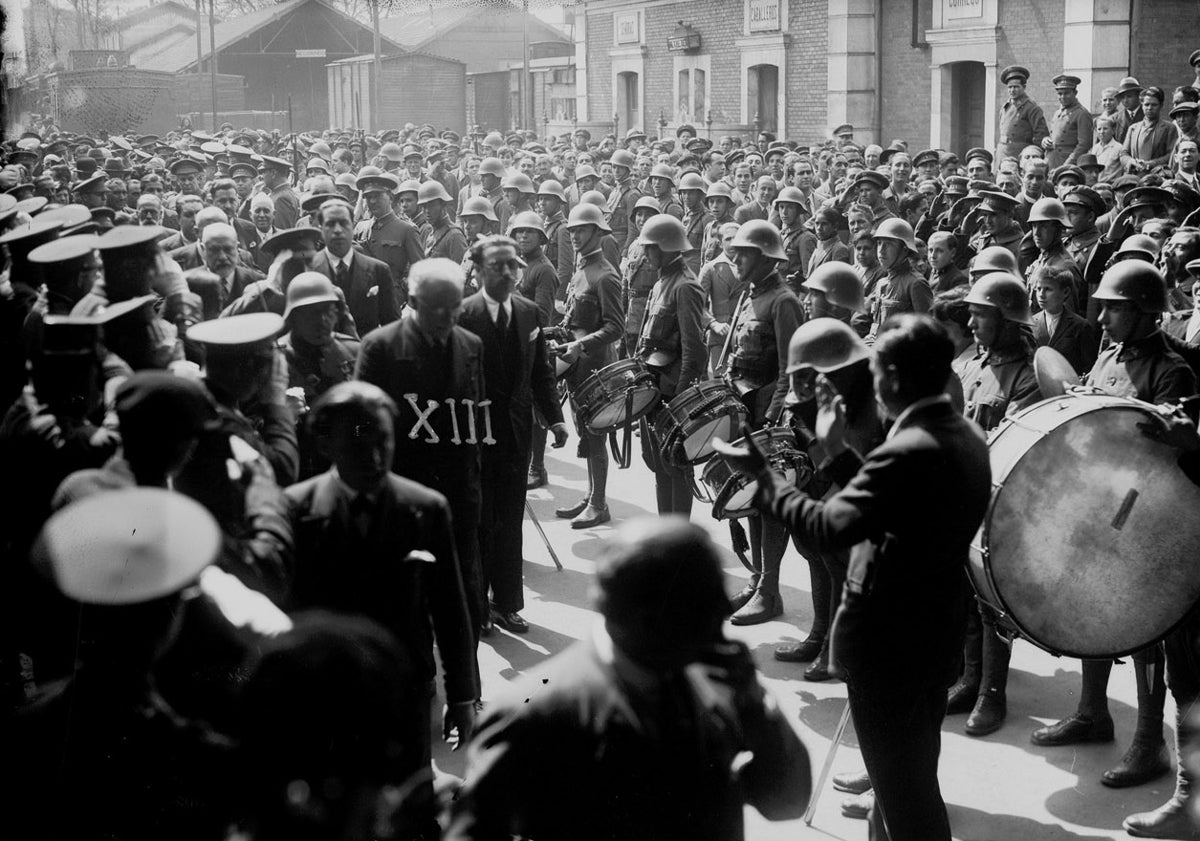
[
  {"x": 342, "y": 275},
  {"x": 360, "y": 514},
  {"x": 501, "y": 319}
]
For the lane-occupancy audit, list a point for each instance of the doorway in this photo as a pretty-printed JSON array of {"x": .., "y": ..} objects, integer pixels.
[
  {"x": 763, "y": 95},
  {"x": 628, "y": 106},
  {"x": 967, "y": 102}
]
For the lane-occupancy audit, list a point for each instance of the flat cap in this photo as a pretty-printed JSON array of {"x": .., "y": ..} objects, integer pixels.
[
  {"x": 1085, "y": 197},
  {"x": 91, "y": 185},
  {"x": 1067, "y": 170},
  {"x": 1014, "y": 71},
  {"x": 1147, "y": 197},
  {"x": 995, "y": 201},
  {"x": 843, "y": 129},
  {"x": 981, "y": 153},
  {"x": 1064, "y": 81},
  {"x": 870, "y": 176}
]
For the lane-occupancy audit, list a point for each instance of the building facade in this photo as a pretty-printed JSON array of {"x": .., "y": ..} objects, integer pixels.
[{"x": 923, "y": 70}]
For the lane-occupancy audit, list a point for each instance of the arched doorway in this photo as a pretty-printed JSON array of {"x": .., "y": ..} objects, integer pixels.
[
  {"x": 763, "y": 95},
  {"x": 968, "y": 103}
]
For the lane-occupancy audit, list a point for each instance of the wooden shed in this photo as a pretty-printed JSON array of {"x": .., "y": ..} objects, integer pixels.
[{"x": 414, "y": 88}]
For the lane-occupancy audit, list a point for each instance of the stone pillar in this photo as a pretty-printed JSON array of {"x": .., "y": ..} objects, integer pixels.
[
  {"x": 1095, "y": 46},
  {"x": 852, "y": 73},
  {"x": 581, "y": 65}
]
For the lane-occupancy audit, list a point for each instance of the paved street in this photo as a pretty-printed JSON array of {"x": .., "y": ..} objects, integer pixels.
[{"x": 999, "y": 787}]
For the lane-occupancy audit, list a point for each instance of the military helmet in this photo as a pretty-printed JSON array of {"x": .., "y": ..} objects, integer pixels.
[
  {"x": 897, "y": 229},
  {"x": 432, "y": 191},
  {"x": 518, "y": 181},
  {"x": 587, "y": 214},
  {"x": 663, "y": 171},
  {"x": 1049, "y": 210},
  {"x": 1004, "y": 292},
  {"x": 762, "y": 235},
  {"x": 1140, "y": 246},
  {"x": 550, "y": 187},
  {"x": 623, "y": 157},
  {"x": 825, "y": 344},
  {"x": 1136, "y": 281},
  {"x": 478, "y": 206},
  {"x": 720, "y": 190},
  {"x": 585, "y": 171},
  {"x": 593, "y": 197},
  {"x": 409, "y": 185},
  {"x": 492, "y": 166},
  {"x": 839, "y": 282},
  {"x": 994, "y": 258},
  {"x": 647, "y": 203},
  {"x": 527, "y": 220},
  {"x": 308, "y": 288},
  {"x": 665, "y": 231},
  {"x": 692, "y": 181},
  {"x": 790, "y": 195}
]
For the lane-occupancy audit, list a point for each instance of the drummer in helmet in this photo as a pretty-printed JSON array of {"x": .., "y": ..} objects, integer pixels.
[
  {"x": 833, "y": 291},
  {"x": 671, "y": 344},
  {"x": 1000, "y": 382},
  {"x": 1138, "y": 363},
  {"x": 590, "y": 329},
  {"x": 768, "y": 317}
]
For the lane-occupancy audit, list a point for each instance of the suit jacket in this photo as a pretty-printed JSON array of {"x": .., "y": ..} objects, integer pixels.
[
  {"x": 403, "y": 574},
  {"x": 1074, "y": 338},
  {"x": 575, "y": 751},
  {"x": 534, "y": 383},
  {"x": 369, "y": 311},
  {"x": 916, "y": 580},
  {"x": 249, "y": 239}
]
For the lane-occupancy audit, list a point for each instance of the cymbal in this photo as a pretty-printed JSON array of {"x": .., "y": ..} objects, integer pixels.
[{"x": 1054, "y": 373}]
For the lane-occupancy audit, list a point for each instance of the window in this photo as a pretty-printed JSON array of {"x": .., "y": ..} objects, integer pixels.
[
  {"x": 763, "y": 95},
  {"x": 691, "y": 89},
  {"x": 562, "y": 108},
  {"x": 563, "y": 76}
]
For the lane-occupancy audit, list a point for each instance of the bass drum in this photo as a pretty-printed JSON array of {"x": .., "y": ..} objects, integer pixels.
[{"x": 1088, "y": 548}]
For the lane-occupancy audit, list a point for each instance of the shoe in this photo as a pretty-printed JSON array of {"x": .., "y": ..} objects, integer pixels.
[
  {"x": 1140, "y": 764},
  {"x": 537, "y": 478},
  {"x": 962, "y": 697},
  {"x": 762, "y": 607},
  {"x": 859, "y": 807},
  {"x": 1074, "y": 730},
  {"x": 1169, "y": 820},
  {"x": 988, "y": 715},
  {"x": 485, "y": 627},
  {"x": 801, "y": 652},
  {"x": 511, "y": 622},
  {"x": 571, "y": 511},
  {"x": 853, "y": 783},
  {"x": 818, "y": 672},
  {"x": 591, "y": 515},
  {"x": 744, "y": 595}
]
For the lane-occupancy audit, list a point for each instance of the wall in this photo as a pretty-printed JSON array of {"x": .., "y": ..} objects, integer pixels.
[
  {"x": 1031, "y": 34},
  {"x": 905, "y": 80},
  {"x": 422, "y": 89},
  {"x": 808, "y": 71},
  {"x": 1164, "y": 35}
]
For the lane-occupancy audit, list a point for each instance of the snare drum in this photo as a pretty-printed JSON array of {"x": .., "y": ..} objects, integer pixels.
[
  {"x": 731, "y": 492},
  {"x": 1088, "y": 547},
  {"x": 687, "y": 425},
  {"x": 616, "y": 395}
]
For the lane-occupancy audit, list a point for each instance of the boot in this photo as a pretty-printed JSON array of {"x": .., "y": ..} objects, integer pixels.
[
  {"x": 743, "y": 595},
  {"x": 802, "y": 652},
  {"x": 571, "y": 511},
  {"x": 991, "y": 706},
  {"x": 1091, "y": 721},
  {"x": 818, "y": 671},
  {"x": 592, "y": 515},
  {"x": 537, "y": 478},
  {"x": 963, "y": 694},
  {"x": 767, "y": 550},
  {"x": 1146, "y": 758},
  {"x": 763, "y": 606},
  {"x": 1170, "y": 820},
  {"x": 859, "y": 807},
  {"x": 853, "y": 783}
]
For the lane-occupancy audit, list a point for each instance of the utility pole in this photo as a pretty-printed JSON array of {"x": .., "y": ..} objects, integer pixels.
[
  {"x": 212, "y": 62},
  {"x": 525, "y": 110},
  {"x": 377, "y": 67},
  {"x": 199, "y": 36}
]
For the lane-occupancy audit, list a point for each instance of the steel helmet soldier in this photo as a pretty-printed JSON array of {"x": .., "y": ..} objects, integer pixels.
[
  {"x": 444, "y": 238},
  {"x": 1049, "y": 223},
  {"x": 637, "y": 275},
  {"x": 672, "y": 345},
  {"x": 551, "y": 202},
  {"x": 696, "y": 218},
  {"x": 619, "y": 207},
  {"x": 765, "y": 322}
]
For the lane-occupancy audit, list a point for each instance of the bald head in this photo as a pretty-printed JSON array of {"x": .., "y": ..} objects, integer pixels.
[{"x": 435, "y": 289}]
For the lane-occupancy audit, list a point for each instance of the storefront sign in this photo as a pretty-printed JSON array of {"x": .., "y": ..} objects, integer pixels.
[
  {"x": 958, "y": 9},
  {"x": 625, "y": 25},
  {"x": 683, "y": 39},
  {"x": 763, "y": 15}
]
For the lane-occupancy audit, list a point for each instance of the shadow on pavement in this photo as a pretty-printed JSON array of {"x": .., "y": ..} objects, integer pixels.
[
  {"x": 1089, "y": 803},
  {"x": 974, "y": 825}
]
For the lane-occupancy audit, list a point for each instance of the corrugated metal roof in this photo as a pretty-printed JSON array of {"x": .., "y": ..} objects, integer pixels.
[{"x": 415, "y": 30}]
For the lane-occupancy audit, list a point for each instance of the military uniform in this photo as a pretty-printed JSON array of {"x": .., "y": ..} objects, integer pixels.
[
  {"x": 799, "y": 244},
  {"x": 1021, "y": 124},
  {"x": 769, "y": 316},
  {"x": 619, "y": 210},
  {"x": 287, "y": 206},
  {"x": 672, "y": 346},
  {"x": 447, "y": 241},
  {"x": 594, "y": 314},
  {"x": 1071, "y": 132},
  {"x": 316, "y": 369},
  {"x": 637, "y": 279},
  {"x": 395, "y": 242},
  {"x": 695, "y": 225},
  {"x": 900, "y": 292},
  {"x": 1010, "y": 238},
  {"x": 999, "y": 383},
  {"x": 722, "y": 289},
  {"x": 561, "y": 254},
  {"x": 1146, "y": 369}
]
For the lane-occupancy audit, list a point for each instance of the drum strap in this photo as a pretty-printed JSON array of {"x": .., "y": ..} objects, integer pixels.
[
  {"x": 623, "y": 458},
  {"x": 741, "y": 544}
]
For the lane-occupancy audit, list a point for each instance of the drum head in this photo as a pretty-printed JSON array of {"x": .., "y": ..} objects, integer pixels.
[
  {"x": 1091, "y": 540},
  {"x": 1054, "y": 373},
  {"x": 741, "y": 501},
  {"x": 697, "y": 444},
  {"x": 612, "y": 413}
]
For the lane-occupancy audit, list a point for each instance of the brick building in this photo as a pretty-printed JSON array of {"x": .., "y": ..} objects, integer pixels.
[{"x": 923, "y": 70}]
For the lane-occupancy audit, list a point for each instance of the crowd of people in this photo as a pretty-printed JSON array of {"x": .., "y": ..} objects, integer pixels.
[{"x": 275, "y": 403}]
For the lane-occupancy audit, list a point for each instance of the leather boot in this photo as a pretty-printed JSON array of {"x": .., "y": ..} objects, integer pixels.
[
  {"x": 766, "y": 603},
  {"x": 1146, "y": 758},
  {"x": 1075, "y": 729},
  {"x": 537, "y": 478},
  {"x": 965, "y": 691},
  {"x": 802, "y": 652},
  {"x": 592, "y": 515},
  {"x": 1143, "y": 762},
  {"x": 991, "y": 706},
  {"x": 763, "y": 606},
  {"x": 743, "y": 595},
  {"x": 1170, "y": 820},
  {"x": 571, "y": 511}
]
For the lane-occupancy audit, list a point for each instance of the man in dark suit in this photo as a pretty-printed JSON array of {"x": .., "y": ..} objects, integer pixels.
[
  {"x": 218, "y": 253},
  {"x": 365, "y": 281},
  {"x": 631, "y": 733},
  {"x": 433, "y": 370},
  {"x": 903, "y": 570},
  {"x": 225, "y": 196},
  {"x": 374, "y": 544},
  {"x": 517, "y": 373}
]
